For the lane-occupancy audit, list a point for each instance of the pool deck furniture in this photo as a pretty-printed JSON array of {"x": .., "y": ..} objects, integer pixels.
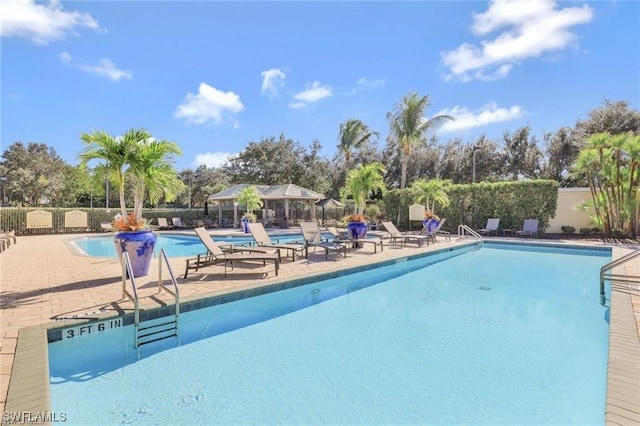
[
  {"x": 395, "y": 235},
  {"x": 313, "y": 239},
  {"x": 163, "y": 224},
  {"x": 216, "y": 255},
  {"x": 176, "y": 222},
  {"x": 437, "y": 231},
  {"x": 491, "y": 227},
  {"x": 529, "y": 229},
  {"x": 58, "y": 287},
  {"x": 345, "y": 237},
  {"x": 262, "y": 239},
  {"x": 216, "y": 250}
]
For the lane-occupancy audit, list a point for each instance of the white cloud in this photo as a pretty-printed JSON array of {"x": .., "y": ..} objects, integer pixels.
[
  {"x": 365, "y": 83},
  {"x": 40, "y": 23},
  {"x": 530, "y": 29},
  {"x": 104, "y": 68},
  {"x": 313, "y": 93},
  {"x": 208, "y": 105},
  {"x": 272, "y": 81},
  {"x": 212, "y": 159},
  {"x": 488, "y": 114}
]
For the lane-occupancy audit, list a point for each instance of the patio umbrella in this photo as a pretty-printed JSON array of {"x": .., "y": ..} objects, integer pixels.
[
  {"x": 206, "y": 208},
  {"x": 329, "y": 203}
]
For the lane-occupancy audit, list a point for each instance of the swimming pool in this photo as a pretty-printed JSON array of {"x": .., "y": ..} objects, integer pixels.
[
  {"x": 174, "y": 245},
  {"x": 490, "y": 336}
]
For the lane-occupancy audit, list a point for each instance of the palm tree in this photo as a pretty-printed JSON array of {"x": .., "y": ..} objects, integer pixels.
[
  {"x": 353, "y": 134},
  {"x": 362, "y": 182},
  {"x": 410, "y": 127},
  {"x": 431, "y": 191},
  {"x": 136, "y": 155},
  {"x": 250, "y": 197}
]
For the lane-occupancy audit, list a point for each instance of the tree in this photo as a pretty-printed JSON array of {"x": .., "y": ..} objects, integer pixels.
[
  {"x": 563, "y": 147},
  {"x": 272, "y": 161},
  {"x": 138, "y": 155},
  {"x": 250, "y": 198},
  {"x": 614, "y": 117},
  {"x": 521, "y": 154},
  {"x": 353, "y": 135},
  {"x": 35, "y": 173},
  {"x": 409, "y": 126},
  {"x": 431, "y": 191},
  {"x": 362, "y": 182}
]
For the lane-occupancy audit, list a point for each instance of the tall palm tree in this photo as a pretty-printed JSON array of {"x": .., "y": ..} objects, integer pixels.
[
  {"x": 362, "y": 182},
  {"x": 353, "y": 134},
  {"x": 410, "y": 127},
  {"x": 136, "y": 155}
]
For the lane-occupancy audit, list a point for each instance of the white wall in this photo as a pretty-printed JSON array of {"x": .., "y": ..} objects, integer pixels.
[{"x": 567, "y": 214}]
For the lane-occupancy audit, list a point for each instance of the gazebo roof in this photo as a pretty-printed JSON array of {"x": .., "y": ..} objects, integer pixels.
[{"x": 266, "y": 192}]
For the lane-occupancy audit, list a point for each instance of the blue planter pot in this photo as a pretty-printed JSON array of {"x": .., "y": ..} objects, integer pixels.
[
  {"x": 357, "y": 231},
  {"x": 245, "y": 225},
  {"x": 139, "y": 245}
]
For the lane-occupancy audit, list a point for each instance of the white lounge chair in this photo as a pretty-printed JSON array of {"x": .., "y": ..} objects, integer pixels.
[
  {"x": 163, "y": 224},
  {"x": 313, "y": 238},
  {"x": 345, "y": 237},
  {"x": 215, "y": 254},
  {"x": 491, "y": 226},
  {"x": 262, "y": 239},
  {"x": 177, "y": 222},
  {"x": 395, "y": 235},
  {"x": 529, "y": 229}
]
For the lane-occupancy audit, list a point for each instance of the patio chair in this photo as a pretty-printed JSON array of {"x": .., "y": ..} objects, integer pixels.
[
  {"x": 491, "y": 226},
  {"x": 262, "y": 239},
  {"x": 437, "y": 231},
  {"x": 313, "y": 238},
  {"x": 215, "y": 255},
  {"x": 163, "y": 224},
  {"x": 8, "y": 236},
  {"x": 106, "y": 226},
  {"x": 207, "y": 239},
  {"x": 177, "y": 223},
  {"x": 395, "y": 235},
  {"x": 529, "y": 228},
  {"x": 346, "y": 237}
]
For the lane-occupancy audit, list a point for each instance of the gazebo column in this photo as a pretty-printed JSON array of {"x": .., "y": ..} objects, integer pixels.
[
  {"x": 235, "y": 214},
  {"x": 219, "y": 214},
  {"x": 286, "y": 208},
  {"x": 312, "y": 207}
]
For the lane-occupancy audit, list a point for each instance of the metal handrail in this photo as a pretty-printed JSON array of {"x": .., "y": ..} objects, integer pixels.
[
  {"x": 161, "y": 286},
  {"x": 464, "y": 228},
  {"x": 127, "y": 270},
  {"x": 609, "y": 266}
]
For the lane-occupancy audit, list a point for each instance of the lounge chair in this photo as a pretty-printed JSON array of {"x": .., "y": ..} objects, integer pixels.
[
  {"x": 207, "y": 239},
  {"x": 107, "y": 226},
  {"x": 163, "y": 224},
  {"x": 492, "y": 226},
  {"x": 345, "y": 237},
  {"x": 8, "y": 236},
  {"x": 177, "y": 222},
  {"x": 395, "y": 235},
  {"x": 215, "y": 255},
  {"x": 262, "y": 239},
  {"x": 529, "y": 228},
  {"x": 437, "y": 231},
  {"x": 313, "y": 238}
]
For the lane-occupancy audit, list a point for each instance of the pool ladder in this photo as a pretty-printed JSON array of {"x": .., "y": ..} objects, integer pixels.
[
  {"x": 159, "y": 330},
  {"x": 464, "y": 230},
  {"x": 606, "y": 274}
]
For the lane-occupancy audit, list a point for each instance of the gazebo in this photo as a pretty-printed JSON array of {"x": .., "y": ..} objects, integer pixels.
[{"x": 270, "y": 196}]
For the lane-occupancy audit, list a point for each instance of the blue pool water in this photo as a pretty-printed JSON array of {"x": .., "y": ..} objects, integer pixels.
[
  {"x": 490, "y": 336},
  {"x": 174, "y": 245}
]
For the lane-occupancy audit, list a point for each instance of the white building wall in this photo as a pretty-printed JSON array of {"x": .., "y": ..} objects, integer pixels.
[{"x": 567, "y": 213}]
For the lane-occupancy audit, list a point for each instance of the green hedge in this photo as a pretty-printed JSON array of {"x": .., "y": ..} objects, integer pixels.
[{"x": 473, "y": 204}]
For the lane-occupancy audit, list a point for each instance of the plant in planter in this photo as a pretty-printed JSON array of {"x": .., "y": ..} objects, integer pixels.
[
  {"x": 138, "y": 160},
  {"x": 249, "y": 197},
  {"x": 362, "y": 182}
]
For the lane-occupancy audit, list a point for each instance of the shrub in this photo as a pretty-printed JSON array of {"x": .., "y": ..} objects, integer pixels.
[
  {"x": 585, "y": 232},
  {"x": 568, "y": 229}
]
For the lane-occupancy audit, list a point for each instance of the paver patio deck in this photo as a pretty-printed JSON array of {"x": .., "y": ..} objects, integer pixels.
[{"x": 42, "y": 279}]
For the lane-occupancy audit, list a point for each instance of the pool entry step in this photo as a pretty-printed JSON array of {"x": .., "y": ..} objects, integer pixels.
[{"x": 159, "y": 328}]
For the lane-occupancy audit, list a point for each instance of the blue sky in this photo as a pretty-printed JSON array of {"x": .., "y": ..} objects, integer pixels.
[{"x": 212, "y": 76}]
